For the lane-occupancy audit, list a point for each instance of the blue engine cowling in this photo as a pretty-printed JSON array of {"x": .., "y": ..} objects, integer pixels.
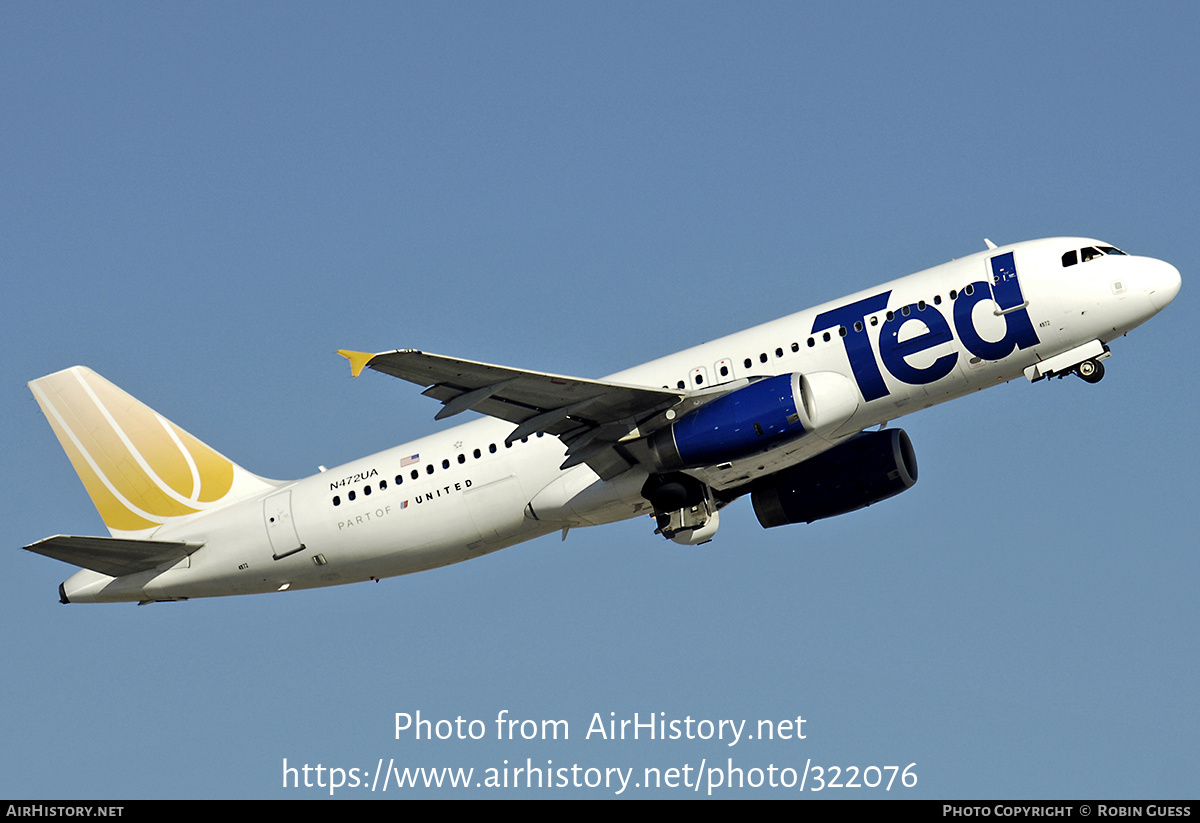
[
  {"x": 754, "y": 417},
  {"x": 867, "y": 468}
]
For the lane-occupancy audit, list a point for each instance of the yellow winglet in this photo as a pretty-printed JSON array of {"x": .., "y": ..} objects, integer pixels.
[{"x": 358, "y": 360}]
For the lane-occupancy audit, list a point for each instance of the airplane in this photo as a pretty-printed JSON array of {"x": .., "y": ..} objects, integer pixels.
[{"x": 791, "y": 413}]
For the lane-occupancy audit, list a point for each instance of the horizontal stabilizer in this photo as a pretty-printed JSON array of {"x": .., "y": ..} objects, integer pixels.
[{"x": 113, "y": 556}]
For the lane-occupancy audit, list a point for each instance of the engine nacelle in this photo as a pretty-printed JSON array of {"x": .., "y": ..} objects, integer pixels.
[
  {"x": 753, "y": 417},
  {"x": 867, "y": 468}
]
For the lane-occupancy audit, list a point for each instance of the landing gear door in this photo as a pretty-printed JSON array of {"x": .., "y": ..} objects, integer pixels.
[{"x": 1006, "y": 289}]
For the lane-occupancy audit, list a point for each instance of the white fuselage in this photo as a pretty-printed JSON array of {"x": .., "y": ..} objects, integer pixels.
[{"x": 462, "y": 492}]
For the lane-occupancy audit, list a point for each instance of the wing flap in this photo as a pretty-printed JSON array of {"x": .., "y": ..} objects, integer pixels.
[{"x": 113, "y": 556}]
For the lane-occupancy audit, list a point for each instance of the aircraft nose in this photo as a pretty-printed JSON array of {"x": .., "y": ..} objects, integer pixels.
[{"x": 1163, "y": 284}]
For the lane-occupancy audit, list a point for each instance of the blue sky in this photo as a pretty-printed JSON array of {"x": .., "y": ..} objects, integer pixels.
[{"x": 203, "y": 201}]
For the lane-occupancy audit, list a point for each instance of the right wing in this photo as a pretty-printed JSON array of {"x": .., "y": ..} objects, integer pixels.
[{"x": 592, "y": 418}]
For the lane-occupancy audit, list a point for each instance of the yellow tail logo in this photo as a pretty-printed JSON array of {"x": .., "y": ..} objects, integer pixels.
[{"x": 139, "y": 468}]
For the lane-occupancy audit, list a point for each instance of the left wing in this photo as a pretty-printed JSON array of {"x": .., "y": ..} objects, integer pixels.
[{"x": 592, "y": 418}]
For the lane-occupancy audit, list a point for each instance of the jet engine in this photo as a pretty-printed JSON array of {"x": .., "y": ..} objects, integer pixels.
[
  {"x": 867, "y": 468},
  {"x": 753, "y": 417}
]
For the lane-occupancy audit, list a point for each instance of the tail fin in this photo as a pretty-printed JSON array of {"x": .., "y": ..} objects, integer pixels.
[{"x": 140, "y": 469}]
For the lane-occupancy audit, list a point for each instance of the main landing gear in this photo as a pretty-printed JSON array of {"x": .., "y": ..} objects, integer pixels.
[
  {"x": 1090, "y": 371},
  {"x": 684, "y": 508}
]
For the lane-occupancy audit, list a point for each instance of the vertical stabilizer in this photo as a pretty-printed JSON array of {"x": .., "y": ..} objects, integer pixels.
[{"x": 140, "y": 469}]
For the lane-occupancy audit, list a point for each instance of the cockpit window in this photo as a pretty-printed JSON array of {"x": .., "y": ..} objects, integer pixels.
[{"x": 1090, "y": 253}]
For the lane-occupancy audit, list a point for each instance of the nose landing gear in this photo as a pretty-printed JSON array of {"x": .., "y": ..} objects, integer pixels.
[{"x": 1090, "y": 371}]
